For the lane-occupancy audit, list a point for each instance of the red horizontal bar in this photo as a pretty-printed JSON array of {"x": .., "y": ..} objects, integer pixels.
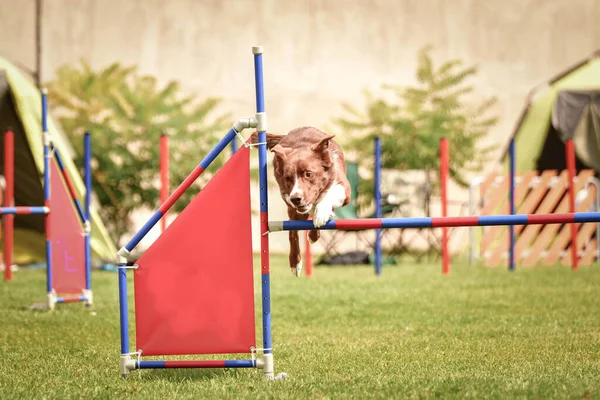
[
  {"x": 370, "y": 223},
  {"x": 550, "y": 218},
  {"x": 195, "y": 364}
]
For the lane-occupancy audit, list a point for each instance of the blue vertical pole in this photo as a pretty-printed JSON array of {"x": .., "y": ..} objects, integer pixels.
[
  {"x": 234, "y": 146},
  {"x": 378, "y": 204},
  {"x": 46, "y": 140},
  {"x": 87, "y": 158},
  {"x": 511, "y": 229},
  {"x": 264, "y": 202},
  {"x": 123, "y": 309}
]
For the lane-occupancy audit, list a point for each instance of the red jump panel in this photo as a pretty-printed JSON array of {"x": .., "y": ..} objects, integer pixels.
[
  {"x": 194, "y": 289},
  {"x": 66, "y": 234}
]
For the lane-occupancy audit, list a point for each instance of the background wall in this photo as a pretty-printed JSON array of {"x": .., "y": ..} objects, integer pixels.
[{"x": 318, "y": 53}]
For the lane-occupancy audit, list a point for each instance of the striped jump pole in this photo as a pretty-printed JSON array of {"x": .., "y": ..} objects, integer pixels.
[
  {"x": 438, "y": 222},
  {"x": 70, "y": 186},
  {"x": 23, "y": 210},
  {"x": 261, "y": 116}
]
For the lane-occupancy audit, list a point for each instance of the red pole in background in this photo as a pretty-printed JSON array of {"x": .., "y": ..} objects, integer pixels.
[
  {"x": 9, "y": 194},
  {"x": 444, "y": 172},
  {"x": 570, "y": 156},
  {"x": 308, "y": 256},
  {"x": 164, "y": 175}
]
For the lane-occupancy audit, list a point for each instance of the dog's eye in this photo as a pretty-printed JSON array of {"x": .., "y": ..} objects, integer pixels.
[{"x": 308, "y": 174}]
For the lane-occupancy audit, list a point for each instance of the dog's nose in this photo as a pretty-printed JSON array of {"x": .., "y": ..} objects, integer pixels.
[{"x": 296, "y": 200}]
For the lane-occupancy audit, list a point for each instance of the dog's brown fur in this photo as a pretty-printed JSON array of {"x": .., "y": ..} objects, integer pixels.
[{"x": 307, "y": 164}]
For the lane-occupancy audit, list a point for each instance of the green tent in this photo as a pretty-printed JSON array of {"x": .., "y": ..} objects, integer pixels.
[
  {"x": 20, "y": 111},
  {"x": 565, "y": 107}
]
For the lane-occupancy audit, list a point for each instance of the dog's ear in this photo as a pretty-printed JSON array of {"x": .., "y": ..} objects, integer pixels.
[
  {"x": 322, "y": 149},
  {"x": 280, "y": 151},
  {"x": 281, "y": 154}
]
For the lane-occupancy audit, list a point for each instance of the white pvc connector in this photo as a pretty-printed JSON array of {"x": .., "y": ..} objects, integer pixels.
[
  {"x": 244, "y": 123},
  {"x": 126, "y": 364},
  {"x": 52, "y": 300},
  {"x": 267, "y": 366},
  {"x": 261, "y": 117},
  {"x": 89, "y": 297},
  {"x": 46, "y": 210},
  {"x": 122, "y": 254},
  {"x": 275, "y": 226},
  {"x": 257, "y": 49}
]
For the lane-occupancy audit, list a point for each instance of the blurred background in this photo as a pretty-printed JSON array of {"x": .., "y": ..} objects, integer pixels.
[{"x": 353, "y": 68}]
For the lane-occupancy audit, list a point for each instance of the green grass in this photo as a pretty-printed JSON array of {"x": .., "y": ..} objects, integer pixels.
[{"x": 412, "y": 333}]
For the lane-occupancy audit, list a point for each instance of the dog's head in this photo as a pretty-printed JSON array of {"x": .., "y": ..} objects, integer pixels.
[{"x": 303, "y": 174}]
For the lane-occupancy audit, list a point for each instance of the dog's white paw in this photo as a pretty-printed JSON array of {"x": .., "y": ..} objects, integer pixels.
[
  {"x": 297, "y": 271},
  {"x": 323, "y": 213}
]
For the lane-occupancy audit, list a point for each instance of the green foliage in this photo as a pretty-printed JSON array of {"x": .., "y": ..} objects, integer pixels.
[
  {"x": 127, "y": 112},
  {"x": 411, "y": 125}
]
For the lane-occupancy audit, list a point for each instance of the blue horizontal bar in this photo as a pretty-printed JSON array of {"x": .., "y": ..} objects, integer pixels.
[
  {"x": 294, "y": 225},
  {"x": 587, "y": 217},
  {"x": 149, "y": 364},
  {"x": 490, "y": 220},
  {"x": 240, "y": 364},
  {"x": 417, "y": 222}
]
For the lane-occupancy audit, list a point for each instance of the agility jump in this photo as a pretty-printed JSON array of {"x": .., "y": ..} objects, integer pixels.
[
  {"x": 194, "y": 286},
  {"x": 67, "y": 224}
]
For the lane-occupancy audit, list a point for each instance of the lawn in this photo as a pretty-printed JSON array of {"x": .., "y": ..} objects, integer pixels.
[{"x": 411, "y": 333}]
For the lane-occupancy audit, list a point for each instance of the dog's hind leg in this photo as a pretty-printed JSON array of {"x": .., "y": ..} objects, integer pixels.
[
  {"x": 295, "y": 256},
  {"x": 314, "y": 235}
]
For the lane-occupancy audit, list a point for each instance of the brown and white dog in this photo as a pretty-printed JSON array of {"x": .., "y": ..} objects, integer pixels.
[{"x": 311, "y": 173}]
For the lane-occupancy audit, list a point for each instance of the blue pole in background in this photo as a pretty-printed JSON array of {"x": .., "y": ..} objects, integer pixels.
[
  {"x": 511, "y": 229},
  {"x": 46, "y": 140},
  {"x": 87, "y": 159},
  {"x": 378, "y": 204},
  {"x": 234, "y": 146}
]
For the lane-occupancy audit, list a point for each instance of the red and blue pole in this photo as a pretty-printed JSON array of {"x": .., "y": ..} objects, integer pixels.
[
  {"x": 433, "y": 222},
  {"x": 72, "y": 193},
  {"x": 23, "y": 210},
  {"x": 187, "y": 182},
  {"x": 264, "y": 203}
]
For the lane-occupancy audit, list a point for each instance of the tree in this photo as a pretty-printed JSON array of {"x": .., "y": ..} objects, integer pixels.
[
  {"x": 126, "y": 112},
  {"x": 412, "y": 124}
]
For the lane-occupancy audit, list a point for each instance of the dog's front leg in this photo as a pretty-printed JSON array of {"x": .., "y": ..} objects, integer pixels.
[
  {"x": 295, "y": 254},
  {"x": 333, "y": 198}
]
